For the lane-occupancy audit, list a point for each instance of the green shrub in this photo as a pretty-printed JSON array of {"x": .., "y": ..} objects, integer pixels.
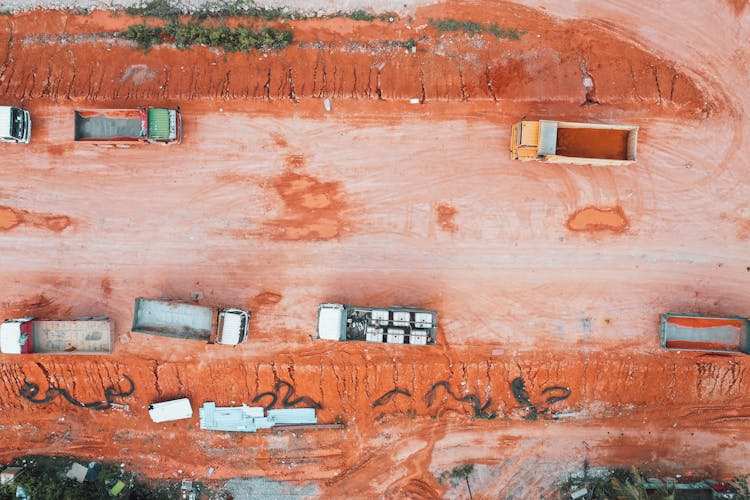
[
  {"x": 145, "y": 36},
  {"x": 472, "y": 28},
  {"x": 241, "y": 38},
  {"x": 360, "y": 15}
]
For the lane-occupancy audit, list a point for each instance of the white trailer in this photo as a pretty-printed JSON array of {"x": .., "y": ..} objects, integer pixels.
[{"x": 392, "y": 325}]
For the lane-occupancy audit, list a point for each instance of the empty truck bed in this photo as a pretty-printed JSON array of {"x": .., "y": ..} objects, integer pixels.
[
  {"x": 701, "y": 333},
  {"x": 592, "y": 143},
  {"x": 73, "y": 337},
  {"x": 118, "y": 125},
  {"x": 173, "y": 319}
]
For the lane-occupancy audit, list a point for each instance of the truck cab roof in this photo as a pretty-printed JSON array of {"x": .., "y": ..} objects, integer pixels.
[
  {"x": 330, "y": 321},
  {"x": 10, "y": 337},
  {"x": 15, "y": 125}
]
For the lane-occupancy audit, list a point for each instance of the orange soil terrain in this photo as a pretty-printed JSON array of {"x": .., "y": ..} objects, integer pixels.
[{"x": 551, "y": 274}]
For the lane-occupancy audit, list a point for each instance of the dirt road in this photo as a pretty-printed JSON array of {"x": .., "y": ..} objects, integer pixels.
[{"x": 553, "y": 273}]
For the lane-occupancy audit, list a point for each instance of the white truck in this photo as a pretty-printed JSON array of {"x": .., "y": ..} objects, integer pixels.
[
  {"x": 81, "y": 336},
  {"x": 392, "y": 325},
  {"x": 15, "y": 125},
  {"x": 182, "y": 320}
]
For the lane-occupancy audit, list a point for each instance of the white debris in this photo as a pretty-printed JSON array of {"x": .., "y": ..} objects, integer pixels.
[{"x": 578, "y": 493}]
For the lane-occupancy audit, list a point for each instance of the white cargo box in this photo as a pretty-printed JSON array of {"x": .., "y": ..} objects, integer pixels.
[
  {"x": 170, "y": 410},
  {"x": 374, "y": 334},
  {"x": 401, "y": 318},
  {"x": 423, "y": 320},
  {"x": 395, "y": 336},
  {"x": 379, "y": 316},
  {"x": 418, "y": 337}
]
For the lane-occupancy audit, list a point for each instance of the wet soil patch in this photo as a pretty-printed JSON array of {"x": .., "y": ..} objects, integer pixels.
[
  {"x": 595, "y": 219},
  {"x": 313, "y": 209},
  {"x": 445, "y": 216}
]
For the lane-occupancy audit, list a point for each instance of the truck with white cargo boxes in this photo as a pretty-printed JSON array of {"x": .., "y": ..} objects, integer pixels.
[
  {"x": 570, "y": 142},
  {"x": 128, "y": 126},
  {"x": 692, "y": 332},
  {"x": 392, "y": 325},
  {"x": 81, "y": 336},
  {"x": 15, "y": 125},
  {"x": 182, "y": 320}
]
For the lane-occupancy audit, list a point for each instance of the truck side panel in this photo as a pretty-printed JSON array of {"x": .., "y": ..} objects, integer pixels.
[
  {"x": 175, "y": 319},
  {"x": 72, "y": 337}
]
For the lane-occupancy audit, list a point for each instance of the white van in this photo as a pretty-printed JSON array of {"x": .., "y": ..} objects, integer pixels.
[{"x": 170, "y": 410}]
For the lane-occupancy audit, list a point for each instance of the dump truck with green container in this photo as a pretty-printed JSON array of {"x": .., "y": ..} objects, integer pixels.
[{"x": 129, "y": 126}]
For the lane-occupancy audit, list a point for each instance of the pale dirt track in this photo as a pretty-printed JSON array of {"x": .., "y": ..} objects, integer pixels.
[{"x": 279, "y": 207}]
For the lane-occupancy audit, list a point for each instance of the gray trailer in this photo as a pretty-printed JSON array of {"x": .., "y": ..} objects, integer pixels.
[
  {"x": 182, "y": 320},
  {"x": 81, "y": 336},
  {"x": 692, "y": 332},
  {"x": 392, "y": 325},
  {"x": 127, "y": 126}
]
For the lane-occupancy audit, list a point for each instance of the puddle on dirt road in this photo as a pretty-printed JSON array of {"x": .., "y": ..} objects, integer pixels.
[
  {"x": 445, "y": 216},
  {"x": 10, "y": 218},
  {"x": 596, "y": 219}
]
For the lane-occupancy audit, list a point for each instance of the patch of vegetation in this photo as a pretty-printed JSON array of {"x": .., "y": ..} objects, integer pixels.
[
  {"x": 456, "y": 475},
  {"x": 462, "y": 472},
  {"x": 359, "y": 15},
  {"x": 45, "y": 477},
  {"x": 472, "y": 28},
  {"x": 187, "y": 34},
  {"x": 145, "y": 36}
]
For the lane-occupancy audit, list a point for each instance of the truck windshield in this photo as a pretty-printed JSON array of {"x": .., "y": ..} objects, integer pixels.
[{"x": 16, "y": 123}]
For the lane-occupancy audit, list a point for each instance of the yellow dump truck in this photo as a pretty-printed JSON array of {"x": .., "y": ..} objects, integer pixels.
[{"x": 577, "y": 143}]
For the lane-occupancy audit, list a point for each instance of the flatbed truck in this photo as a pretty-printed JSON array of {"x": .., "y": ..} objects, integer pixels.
[
  {"x": 392, "y": 325},
  {"x": 42, "y": 336}
]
